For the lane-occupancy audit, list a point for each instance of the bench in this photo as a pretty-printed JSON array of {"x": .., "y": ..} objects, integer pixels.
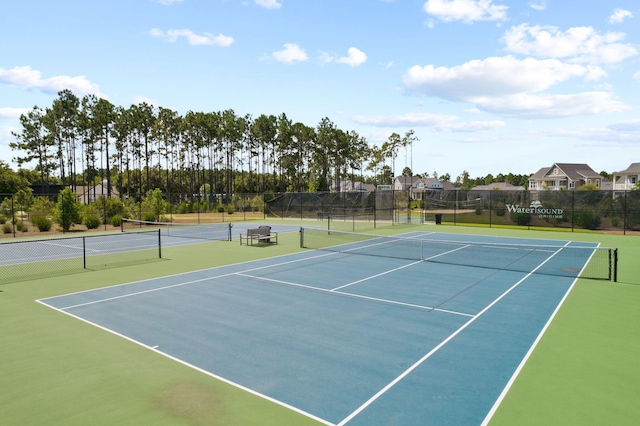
[{"x": 261, "y": 234}]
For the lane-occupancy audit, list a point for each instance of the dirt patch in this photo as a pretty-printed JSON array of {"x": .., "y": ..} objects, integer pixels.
[{"x": 192, "y": 402}]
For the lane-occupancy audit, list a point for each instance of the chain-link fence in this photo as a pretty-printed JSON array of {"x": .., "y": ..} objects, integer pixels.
[
  {"x": 594, "y": 210},
  {"x": 23, "y": 214}
]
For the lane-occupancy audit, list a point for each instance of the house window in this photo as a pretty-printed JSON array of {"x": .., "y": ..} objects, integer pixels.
[{"x": 634, "y": 180}]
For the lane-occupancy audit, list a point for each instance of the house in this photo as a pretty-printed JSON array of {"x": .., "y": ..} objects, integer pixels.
[
  {"x": 350, "y": 186},
  {"x": 627, "y": 179},
  {"x": 564, "y": 176},
  {"x": 417, "y": 184},
  {"x": 88, "y": 194}
]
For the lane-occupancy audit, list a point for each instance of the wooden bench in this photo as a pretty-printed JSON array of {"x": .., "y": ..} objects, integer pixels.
[{"x": 261, "y": 234}]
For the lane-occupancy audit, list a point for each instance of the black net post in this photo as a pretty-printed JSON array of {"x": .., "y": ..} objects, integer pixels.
[
  {"x": 84, "y": 252},
  {"x": 13, "y": 216},
  {"x": 159, "y": 245}
]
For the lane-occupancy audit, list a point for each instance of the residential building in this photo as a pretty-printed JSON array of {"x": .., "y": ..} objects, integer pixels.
[
  {"x": 417, "y": 184},
  {"x": 88, "y": 194},
  {"x": 564, "y": 176},
  {"x": 627, "y": 179},
  {"x": 350, "y": 186}
]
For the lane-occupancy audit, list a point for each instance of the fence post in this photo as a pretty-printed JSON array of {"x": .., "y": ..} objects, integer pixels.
[{"x": 624, "y": 220}]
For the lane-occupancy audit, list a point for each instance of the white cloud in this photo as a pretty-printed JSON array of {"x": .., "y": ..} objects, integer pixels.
[
  {"x": 636, "y": 76},
  {"x": 354, "y": 57},
  {"x": 495, "y": 76},
  {"x": 12, "y": 112},
  {"x": 28, "y": 78},
  {"x": 467, "y": 11},
  {"x": 619, "y": 15},
  {"x": 512, "y": 87},
  {"x": 577, "y": 44},
  {"x": 206, "y": 39},
  {"x": 525, "y": 105},
  {"x": 539, "y": 6},
  {"x": 446, "y": 123},
  {"x": 269, "y": 4},
  {"x": 290, "y": 54}
]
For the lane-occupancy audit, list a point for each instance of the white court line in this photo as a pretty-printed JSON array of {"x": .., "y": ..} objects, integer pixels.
[
  {"x": 354, "y": 295},
  {"x": 438, "y": 347},
  {"x": 122, "y": 296},
  {"x": 201, "y": 370},
  {"x": 516, "y": 373}
]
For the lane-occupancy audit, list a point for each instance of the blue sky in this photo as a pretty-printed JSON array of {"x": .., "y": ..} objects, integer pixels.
[{"x": 488, "y": 86}]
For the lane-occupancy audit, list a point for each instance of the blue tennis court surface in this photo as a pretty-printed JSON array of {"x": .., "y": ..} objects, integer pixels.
[{"x": 341, "y": 337}]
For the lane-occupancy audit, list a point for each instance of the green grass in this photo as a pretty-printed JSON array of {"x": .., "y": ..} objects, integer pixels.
[{"x": 55, "y": 369}]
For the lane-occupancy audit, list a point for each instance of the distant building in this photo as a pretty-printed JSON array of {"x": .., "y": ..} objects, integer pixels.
[
  {"x": 417, "y": 185},
  {"x": 627, "y": 179},
  {"x": 565, "y": 176},
  {"x": 349, "y": 186},
  {"x": 88, "y": 194}
]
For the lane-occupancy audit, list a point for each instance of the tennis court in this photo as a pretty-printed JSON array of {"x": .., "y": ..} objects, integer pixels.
[{"x": 347, "y": 338}]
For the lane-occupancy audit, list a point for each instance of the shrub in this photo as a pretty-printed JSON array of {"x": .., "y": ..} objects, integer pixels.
[
  {"x": 92, "y": 221},
  {"x": 257, "y": 204},
  {"x": 116, "y": 220},
  {"x": 500, "y": 211},
  {"x": 7, "y": 228},
  {"x": 67, "y": 210},
  {"x": 21, "y": 226},
  {"x": 43, "y": 223},
  {"x": 588, "y": 220},
  {"x": 522, "y": 219},
  {"x": 479, "y": 211},
  {"x": 230, "y": 209},
  {"x": 149, "y": 216},
  {"x": 2, "y": 219},
  {"x": 220, "y": 208}
]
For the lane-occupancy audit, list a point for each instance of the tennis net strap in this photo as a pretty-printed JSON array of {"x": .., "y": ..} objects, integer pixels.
[
  {"x": 561, "y": 260},
  {"x": 201, "y": 231}
]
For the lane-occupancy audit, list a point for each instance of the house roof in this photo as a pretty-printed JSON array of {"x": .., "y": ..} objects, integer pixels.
[
  {"x": 633, "y": 168},
  {"x": 573, "y": 171},
  {"x": 407, "y": 180}
]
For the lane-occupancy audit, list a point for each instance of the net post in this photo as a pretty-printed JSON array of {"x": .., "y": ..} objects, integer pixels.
[
  {"x": 301, "y": 237},
  {"x": 615, "y": 265},
  {"x": 159, "y": 245},
  {"x": 84, "y": 252},
  {"x": 229, "y": 238}
]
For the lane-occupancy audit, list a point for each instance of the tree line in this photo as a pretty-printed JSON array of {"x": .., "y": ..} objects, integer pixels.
[{"x": 83, "y": 141}]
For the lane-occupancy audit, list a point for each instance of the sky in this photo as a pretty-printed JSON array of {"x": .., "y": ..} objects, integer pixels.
[{"x": 488, "y": 86}]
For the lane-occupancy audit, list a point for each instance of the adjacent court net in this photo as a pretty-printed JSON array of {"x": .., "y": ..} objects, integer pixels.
[
  {"x": 201, "y": 231},
  {"x": 569, "y": 261},
  {"x": 25, "y": 260}
]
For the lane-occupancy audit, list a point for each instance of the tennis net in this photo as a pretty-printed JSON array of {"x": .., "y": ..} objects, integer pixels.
[
  {"x": 201, "y": 231},
  {"x": 32, "y": 259},
  {"x": 562, "y": 260}
]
